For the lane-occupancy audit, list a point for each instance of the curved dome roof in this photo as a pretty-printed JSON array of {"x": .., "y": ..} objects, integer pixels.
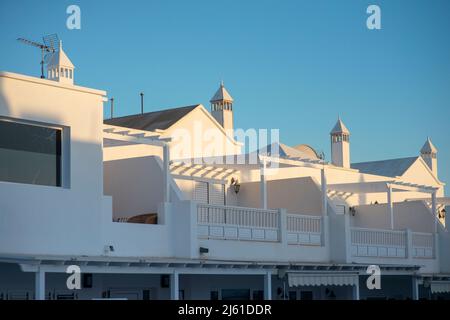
[
  {"x": 302, "y": 151},
  {"x": 308, "y": 151}
]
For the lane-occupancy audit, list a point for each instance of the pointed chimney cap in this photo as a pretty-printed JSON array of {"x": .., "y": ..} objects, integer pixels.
[
  {"x": 428, "y": 147},
  {"x": 339, "y": 127},
  {"x": 221, "y": 95},
  {"x": 60, "y": 59}
]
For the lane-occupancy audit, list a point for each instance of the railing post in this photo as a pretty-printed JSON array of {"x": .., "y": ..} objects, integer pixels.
[
  {"x": 323, "y": 183},
  {"x": 193, "y": 222},
  {"x": 325, "y": 230},
  {"x": 434, "y": 210},
  {"x": 263, "y": 185},
  {"x": 390, "y": 205},
  {"x": 436, "y": 247},
  {"x": 348, "y": 238},
  {"x": 409, "y": 245},
  {"x": 166, "y": 172},
  {"x": 282, "y": 225}
]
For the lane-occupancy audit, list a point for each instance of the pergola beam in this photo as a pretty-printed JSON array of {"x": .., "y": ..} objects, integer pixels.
[{"x": 379, "y": 187}]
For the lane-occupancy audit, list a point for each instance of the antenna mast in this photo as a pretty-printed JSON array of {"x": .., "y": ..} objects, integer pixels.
[{"x": 47, "y": 48}]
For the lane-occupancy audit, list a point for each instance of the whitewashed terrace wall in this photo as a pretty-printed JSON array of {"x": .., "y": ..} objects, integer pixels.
[{"x": 412, "y": 215}]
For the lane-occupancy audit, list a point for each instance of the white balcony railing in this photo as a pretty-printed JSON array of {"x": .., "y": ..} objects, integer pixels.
[
  {"x": 239, "y": 223},
  {"x": 378, "y": 243},
  {"x": 423, "y": 245},
  {"x": 304, "y": 230},
  {"x": 391, "y": 243}
]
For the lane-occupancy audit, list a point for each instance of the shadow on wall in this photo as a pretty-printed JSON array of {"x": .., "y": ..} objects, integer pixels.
[
  {"x": 296, "y": 195},
  {"x": 4, "y": 103},
  {"x": 412, "y": 215},
  {"x": 136, "y": 185},
  {"x": 362, "y": 197}
]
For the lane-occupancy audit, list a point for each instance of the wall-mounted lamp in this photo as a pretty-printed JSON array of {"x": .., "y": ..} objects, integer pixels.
[
  {"x": 442, "y": 214},
  {"x": 352, "y": 210},
  {"x": 108, "y": 249},
  {"x": 236, "y": 185},
  {"x": 203, "y": 250}
]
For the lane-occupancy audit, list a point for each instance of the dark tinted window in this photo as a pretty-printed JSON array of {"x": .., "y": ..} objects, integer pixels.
[
  {"x": 236, "y": 294},
  {"x": 258, "y": 295},
  {"x": 30, "y": 154}
]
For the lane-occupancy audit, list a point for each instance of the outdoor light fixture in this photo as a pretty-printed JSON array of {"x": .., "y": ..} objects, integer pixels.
[
  {"x": 236, "y": 185},
  {"x": 352, "y": 210},
  {"x": 442, "y": 214},
  {"x": 109, "y": 248}
]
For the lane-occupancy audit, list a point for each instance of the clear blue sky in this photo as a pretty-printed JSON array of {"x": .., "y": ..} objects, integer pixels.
[{"x": 292, "y": 65}]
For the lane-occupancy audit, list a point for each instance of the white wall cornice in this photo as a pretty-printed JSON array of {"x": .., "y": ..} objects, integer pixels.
[{"x": 21, "y": 77}]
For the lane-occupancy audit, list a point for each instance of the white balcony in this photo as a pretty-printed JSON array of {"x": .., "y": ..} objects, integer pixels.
[
  {"x": 252, "y": 224},
  {"x": 237, "y": 223},
  {"x": 378, "y": 243},
  {"x": 304, "y": 230},
  {"x": 392, "y": 244},
  {"x": 423, "y": 245},
  {"x": 255, "y": 234}
]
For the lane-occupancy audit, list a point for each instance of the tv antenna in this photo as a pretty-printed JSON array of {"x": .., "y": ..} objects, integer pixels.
[{"x": 48, "y": 48}]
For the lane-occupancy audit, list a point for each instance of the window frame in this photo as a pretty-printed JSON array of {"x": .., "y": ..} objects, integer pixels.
[{"x": 65, "y": 150}]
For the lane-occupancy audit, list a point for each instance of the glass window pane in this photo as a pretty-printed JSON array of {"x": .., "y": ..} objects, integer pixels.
[{"x": 30, "y": 154}]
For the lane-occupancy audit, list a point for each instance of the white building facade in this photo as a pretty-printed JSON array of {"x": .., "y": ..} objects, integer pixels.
[{"x": 163, "y": 205}]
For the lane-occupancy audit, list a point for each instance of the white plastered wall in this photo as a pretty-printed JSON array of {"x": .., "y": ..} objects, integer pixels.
[{"x": 55, "y": 220}]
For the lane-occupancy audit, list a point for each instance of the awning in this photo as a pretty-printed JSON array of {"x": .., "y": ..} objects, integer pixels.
[
  {"x": 322, "y": 279},
  {"x": 440, "y": 286}
]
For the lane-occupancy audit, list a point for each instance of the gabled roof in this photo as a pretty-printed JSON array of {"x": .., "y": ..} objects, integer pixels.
[
  {"x": 428, "y": 147},
  {"x": 60, "y": 59},
  {"x": 151, "y": 121},
  {"x": 285, "y": 151},
  {"x": 221, "y": 95},
  {"x": 388, "y": 168},
  {"x": 340, "y": 128}
]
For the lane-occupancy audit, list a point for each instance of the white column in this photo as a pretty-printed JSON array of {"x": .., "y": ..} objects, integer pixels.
[
  {"x": 415, "y": 288},
  {"x": 174, "y": 286},
  {"x": 263, "y": 185},
  {"x": 39, "y": 285},
  {"x": 282, "y": 216},
  {"x": 409, "y": 244},
  {"x": 323, "y": 179},
  {"x": 348, "y": 238},
  {"x": 436, "y": 247},
  {"x": 434, "y": 210},
  {"x": 268, "y": 286},
  {"x": 166, "y": 173},
  {"x": 390, "y": 206},
  {"x": 356, "y": 289}
]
